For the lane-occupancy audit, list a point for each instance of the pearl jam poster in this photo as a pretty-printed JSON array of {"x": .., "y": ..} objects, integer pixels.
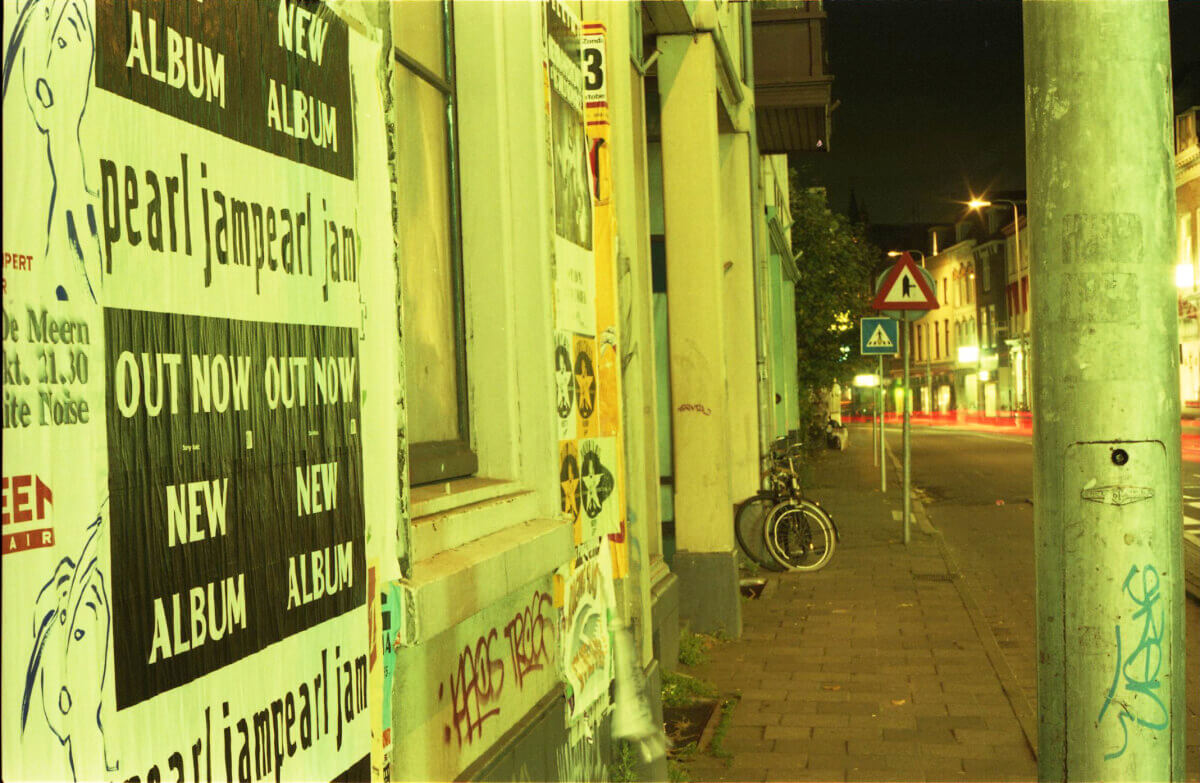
[{"x": 188, "y": 466}]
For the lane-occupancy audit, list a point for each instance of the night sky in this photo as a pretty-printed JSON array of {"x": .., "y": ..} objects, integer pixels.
[{"x": 931, "y": 103}]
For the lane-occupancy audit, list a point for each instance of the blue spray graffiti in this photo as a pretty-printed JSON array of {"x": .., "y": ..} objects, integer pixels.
[
  {"x": 52, "y": 49},
  {"x": 1141, "y": 669},
  {"x": 69, "y": 663}
]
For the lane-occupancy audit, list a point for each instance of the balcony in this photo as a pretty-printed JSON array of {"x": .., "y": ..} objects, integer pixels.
[{"x": 792, "y": 89}]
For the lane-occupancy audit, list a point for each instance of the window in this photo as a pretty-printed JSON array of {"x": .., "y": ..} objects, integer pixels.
[
  {"x": 429, "y": 237},
  {"x": 985, "y": 328},
  {"x": 1185, "y": 239},
  {"x": 985, "y": 273},
  {"x": 937, "y": 340},
  {"x": 946, "y": 333},
  {"x": 1024, "y": 294},
  {"x": 992, "y": 325}
]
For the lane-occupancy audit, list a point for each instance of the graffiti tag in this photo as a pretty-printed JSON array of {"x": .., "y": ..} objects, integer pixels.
[
  {"x": 526, "y": 634},
  {"x": 695, "y": 406},
  {"x": 1140, "y": 669},
  {"x": 475, "y": 688}
]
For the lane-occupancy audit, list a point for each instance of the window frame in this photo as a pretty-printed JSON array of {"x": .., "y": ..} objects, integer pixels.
[{"x": 433, "y": 461}]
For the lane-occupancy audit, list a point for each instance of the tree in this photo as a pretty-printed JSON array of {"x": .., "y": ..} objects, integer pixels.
[{"x": 834, "y": 289}]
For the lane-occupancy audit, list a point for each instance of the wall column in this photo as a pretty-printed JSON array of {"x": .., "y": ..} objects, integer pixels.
[
  {"x": 741, "y": 364},
  {"x": 704, "y": 558}
]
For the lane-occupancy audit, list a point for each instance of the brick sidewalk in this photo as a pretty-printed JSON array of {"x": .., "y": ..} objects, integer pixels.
[{"x": 868, "y": 670}]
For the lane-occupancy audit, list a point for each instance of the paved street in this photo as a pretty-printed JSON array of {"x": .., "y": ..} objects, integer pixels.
[
  {"x": 1191, "y": 496},
  {"x": 871, "y": 669},
  {"x": 901, "y": 662},
  {"x": 977, "y": 489}
]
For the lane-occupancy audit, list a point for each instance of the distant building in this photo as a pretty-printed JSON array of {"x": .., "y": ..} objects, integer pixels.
[{"x": 1187, "y": 216}]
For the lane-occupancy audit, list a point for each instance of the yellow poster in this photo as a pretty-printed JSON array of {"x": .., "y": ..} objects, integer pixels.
[
  {"x": 585, "y": 386},
  {"x": 608, "y": 353}
]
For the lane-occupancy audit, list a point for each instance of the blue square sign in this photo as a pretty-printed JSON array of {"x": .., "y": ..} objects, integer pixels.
[{"x": 879, "y": 337}]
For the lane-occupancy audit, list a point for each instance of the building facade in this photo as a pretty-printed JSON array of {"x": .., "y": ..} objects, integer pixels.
[
  {"x": 1017, "y": 293},
  {"x": 1187, "y": 216},
  {"x": 350, "y": 343},
  {"x": 946, "y": 339}
]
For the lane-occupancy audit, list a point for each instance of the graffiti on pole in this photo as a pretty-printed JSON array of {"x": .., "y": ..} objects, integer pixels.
[{"x": 1137, "y": 673}]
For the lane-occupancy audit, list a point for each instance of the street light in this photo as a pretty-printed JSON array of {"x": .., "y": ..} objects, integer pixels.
[
  {"x": 979, "y": 204},
  {"x": 1185, "y": 277},
  {"x": 896, "y": 253}
]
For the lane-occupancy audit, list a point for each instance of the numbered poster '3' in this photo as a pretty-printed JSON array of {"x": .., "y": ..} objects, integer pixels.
[{"x": 184, "y": 526}]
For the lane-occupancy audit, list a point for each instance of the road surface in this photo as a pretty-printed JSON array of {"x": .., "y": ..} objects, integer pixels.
[{"x": 978, "y": 490}]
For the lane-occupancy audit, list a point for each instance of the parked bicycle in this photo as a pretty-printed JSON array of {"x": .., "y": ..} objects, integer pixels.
[{"x": 778, "y": 527}]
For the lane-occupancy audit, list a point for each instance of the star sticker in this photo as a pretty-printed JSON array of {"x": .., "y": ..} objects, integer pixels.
[
  {"x": 584, "y": 381},
  {"x": 562, "y": 381},
  {"x": 570, "y": 486},
  {"x": 591, "y": 486}
]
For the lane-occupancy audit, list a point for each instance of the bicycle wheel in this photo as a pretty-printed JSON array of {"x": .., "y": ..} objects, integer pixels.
[
  {"x": 799, "y": 535},
  {"x": 748, "y": 525}
]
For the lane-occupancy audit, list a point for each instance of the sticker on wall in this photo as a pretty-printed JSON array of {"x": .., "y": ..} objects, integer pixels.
[
  {"x": 598, "y": 499},
  {"x": 564, "y": 386},
  {"x": 391, "y": 622},
  {"x": 568, "y": 482},
  {"x": 586, "y": 662},
  {"x": 586, "y": 392}
]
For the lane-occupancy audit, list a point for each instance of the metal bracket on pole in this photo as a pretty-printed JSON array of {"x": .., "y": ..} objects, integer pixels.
[
  {"x": 875, "y": 429},
  {"x": 907, "y": 402},
  {"x": 882, "y": 447}
]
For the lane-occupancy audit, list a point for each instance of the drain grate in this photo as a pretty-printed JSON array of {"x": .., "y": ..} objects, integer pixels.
[{"x": 932, "y": 578}]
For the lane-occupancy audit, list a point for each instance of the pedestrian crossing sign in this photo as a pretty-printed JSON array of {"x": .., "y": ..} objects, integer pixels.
[{"x": 879, "y": 337}]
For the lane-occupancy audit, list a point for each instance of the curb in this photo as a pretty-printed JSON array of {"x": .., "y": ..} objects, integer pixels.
[{"x": 1023, "y": 711}]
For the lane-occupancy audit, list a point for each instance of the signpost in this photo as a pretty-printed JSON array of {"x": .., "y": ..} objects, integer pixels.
[
  {"x": 905, "y": 292},
  {"x": 879, "y": 337}
]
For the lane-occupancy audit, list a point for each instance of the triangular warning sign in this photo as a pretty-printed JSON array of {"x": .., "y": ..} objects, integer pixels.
[
  {"x": 880, "y": 339},
  {"x": 904, "y": 287}
]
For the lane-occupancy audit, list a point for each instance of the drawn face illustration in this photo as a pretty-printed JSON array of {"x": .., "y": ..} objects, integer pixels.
[
  {"x": 51, "y": 52},
  {"x": 57, "y": 54},
  {"x": 68, "y": 668}
]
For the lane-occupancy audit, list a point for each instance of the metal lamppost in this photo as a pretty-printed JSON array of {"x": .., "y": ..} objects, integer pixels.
[
  {"x": 979, "y": 204},
  {"x": 928, "y": 369}
]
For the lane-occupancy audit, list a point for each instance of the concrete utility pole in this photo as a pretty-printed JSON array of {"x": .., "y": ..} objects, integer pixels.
[{"x": 1106, "y": 379}]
